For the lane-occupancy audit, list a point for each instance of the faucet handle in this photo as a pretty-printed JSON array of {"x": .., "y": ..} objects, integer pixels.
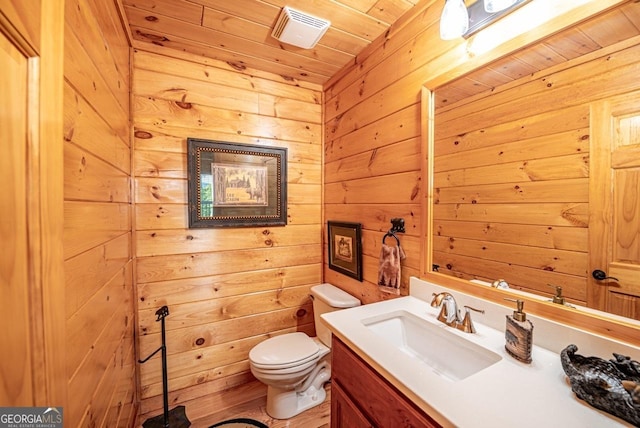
[
  {"x": 467, "y": 323},
  {"x": 558, "y": 297},
  {"x": 450, "y": 309}
]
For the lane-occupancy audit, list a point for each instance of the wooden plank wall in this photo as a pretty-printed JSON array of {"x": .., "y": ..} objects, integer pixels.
[
  {"x": 97, "y": 208},
  {"x": 226, "y": 289},
  {"x": 512, "y": 176},
  {"x": 372, "y": 147}
]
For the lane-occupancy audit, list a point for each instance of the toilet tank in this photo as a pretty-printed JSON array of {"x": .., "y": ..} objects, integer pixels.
[{"x": 328, "y": 298}]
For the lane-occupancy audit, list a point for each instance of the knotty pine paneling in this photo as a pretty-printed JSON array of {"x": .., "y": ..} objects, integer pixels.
[
  {"x": 207, "y": 351},
  {"x": 220, "y": 394},
  {"x": 186, "y": 34},
  {"x": 98, "y": 266},
  {"x": 226, "y": 289},
  {"x": 154, "y": 294},
  {"x": 163, "y": 115},
  {"x": 265, "y": 83},
  {"x": 154, "y": 243},
  {"x": 89, "y": 130},
  {"x": 372, "y": 161},
  {"x": 89, "y": 22}
]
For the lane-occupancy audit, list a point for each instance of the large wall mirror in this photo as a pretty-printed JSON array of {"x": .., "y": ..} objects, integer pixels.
[{"x": 536, "y": 168}]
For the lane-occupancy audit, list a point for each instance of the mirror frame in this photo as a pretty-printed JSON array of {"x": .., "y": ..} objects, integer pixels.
[{"x": 459, "y": 64}]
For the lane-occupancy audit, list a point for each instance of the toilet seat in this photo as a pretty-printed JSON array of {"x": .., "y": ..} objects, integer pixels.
[
  {"x": 284, "y": 351},
  {"x": 285, "y": 371}
]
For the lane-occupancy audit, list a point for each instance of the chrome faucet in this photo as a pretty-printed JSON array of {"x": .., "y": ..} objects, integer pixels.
[{"x": 449, "y": 313}]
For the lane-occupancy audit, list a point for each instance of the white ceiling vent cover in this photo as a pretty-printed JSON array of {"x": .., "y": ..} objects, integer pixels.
[{"x": 299, "y": 29}]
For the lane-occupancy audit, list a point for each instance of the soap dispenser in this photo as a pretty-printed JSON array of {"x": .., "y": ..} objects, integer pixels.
[{"x": 519, "y": 334}]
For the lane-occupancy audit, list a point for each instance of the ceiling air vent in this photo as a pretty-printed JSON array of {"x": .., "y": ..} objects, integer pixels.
[{"x": 299, "y": 29}]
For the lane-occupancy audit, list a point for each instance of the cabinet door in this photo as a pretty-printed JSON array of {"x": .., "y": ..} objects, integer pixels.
[
  {"x": 344, "y": 413},
  {"x": 375, "y": 398}
]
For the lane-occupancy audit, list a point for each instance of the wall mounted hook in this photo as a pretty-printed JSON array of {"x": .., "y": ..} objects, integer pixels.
[{"x": 397, "y": 225}]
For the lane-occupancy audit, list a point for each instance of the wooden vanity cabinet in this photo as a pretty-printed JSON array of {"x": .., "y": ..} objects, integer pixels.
[
  {"x": 344, "y": 412},
  {"x": 361, "y": 398}
]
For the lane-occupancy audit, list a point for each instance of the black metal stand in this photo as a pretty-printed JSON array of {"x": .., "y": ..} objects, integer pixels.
[{"x": 176, "y": 418}]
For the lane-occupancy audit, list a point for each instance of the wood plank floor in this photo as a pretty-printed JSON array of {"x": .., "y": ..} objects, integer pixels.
[{"x": 316, "y": 417}]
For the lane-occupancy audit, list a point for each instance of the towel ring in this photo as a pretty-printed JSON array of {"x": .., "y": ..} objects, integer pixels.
[{"x": 391, "y": 234}]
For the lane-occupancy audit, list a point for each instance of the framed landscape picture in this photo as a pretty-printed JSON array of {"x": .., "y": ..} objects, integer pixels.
[
  {"x": 236, "y": 185},
  {"x": 345, "y": 248}
]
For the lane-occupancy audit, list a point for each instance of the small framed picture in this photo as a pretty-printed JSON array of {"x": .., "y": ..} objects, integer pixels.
[{"x": 345, "y": 248}]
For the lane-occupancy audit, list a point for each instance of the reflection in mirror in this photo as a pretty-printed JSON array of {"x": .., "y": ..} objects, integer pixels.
[{"x": 536, "y": 161}]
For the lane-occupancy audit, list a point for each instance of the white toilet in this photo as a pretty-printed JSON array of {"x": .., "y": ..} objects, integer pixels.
[{"x": 294, "y": 366}]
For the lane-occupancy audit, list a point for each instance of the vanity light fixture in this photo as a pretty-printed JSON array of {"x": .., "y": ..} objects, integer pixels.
[
  {"x": 493, "y": 6},
  {"x": 454, "y": 21},
  {"x": 458, "y": 20}
]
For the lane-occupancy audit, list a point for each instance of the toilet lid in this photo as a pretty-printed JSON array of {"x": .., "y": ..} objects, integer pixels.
[{"x": 284, "y": 349}]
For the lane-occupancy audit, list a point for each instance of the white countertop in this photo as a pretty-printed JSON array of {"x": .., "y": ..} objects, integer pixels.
[{"x": 507, "y": 394}]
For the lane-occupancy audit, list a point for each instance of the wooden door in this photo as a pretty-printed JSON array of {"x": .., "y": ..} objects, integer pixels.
[
  {"x": 15, "y": 369},
  {"x": 614, "y": 225},
  {"x": 32, "y": 341}
]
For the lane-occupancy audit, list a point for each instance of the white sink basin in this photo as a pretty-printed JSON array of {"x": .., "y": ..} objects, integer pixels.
[{"x": 444, "y": 352}]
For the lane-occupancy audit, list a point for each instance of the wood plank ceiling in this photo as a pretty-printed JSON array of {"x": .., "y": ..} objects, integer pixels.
[{"x": 239, "y": 31}]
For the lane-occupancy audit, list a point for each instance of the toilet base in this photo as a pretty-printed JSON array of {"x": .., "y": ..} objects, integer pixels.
[{"x": 286, "y": 403}]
